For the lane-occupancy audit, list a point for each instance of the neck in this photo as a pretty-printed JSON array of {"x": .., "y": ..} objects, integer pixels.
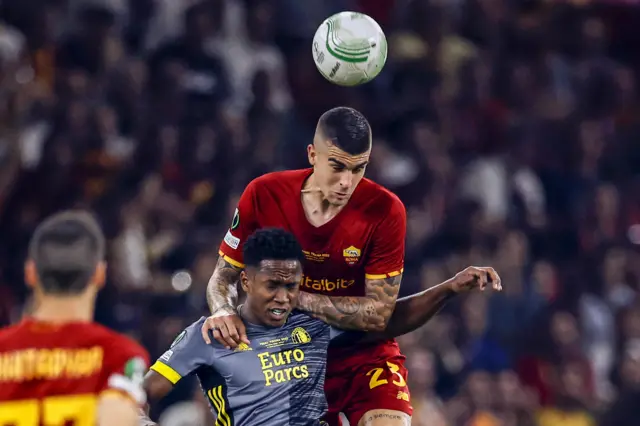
[
  {"x": 58, "y": 309},
  {"x": 246, "y": 313},
  {"x": 314, "y": 199}
]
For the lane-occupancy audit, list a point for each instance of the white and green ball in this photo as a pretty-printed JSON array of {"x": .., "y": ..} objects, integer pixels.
[{"x": 349, "y": 48}]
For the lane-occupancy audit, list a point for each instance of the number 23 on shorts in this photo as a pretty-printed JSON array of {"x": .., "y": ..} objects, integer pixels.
[{"x": 396, "y": 377}]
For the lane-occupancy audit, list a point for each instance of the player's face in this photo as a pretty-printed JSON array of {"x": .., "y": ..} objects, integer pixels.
[
  {"x": 336, "y": 172},
  {"x": 272, "y": 290}
]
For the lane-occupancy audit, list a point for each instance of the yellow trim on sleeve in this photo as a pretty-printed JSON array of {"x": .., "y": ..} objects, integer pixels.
[
  {"x": 167, "y": 372},
  {"x": 230, "y": 260},
  {"x": 383, "y": 276}
]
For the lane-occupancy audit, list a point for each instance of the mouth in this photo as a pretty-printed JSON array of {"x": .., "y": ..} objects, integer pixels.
[{"x": 278, "y": 314}]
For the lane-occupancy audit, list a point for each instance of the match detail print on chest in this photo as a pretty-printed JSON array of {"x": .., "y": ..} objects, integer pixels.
[{"x": 341, "y": 249}]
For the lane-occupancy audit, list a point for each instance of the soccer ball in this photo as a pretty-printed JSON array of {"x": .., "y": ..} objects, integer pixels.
[{"x": 349, "y": 48}]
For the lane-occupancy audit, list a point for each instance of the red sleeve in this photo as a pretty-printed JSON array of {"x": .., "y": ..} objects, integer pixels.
[
  {"x": 125, "y": 368},
  {"x": 243, "y": 224},
  {"x": 386, "y": 258}
]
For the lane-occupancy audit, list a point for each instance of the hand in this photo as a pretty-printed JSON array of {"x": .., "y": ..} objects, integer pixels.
[
  {"x": 475, "y": 277},
  {"x": 228, "y": 329}
]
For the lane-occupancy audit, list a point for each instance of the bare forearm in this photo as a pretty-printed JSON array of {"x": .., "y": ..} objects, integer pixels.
[
  {"x": 412, "y": 312},
  {"x": 222, "y": 288},
  {"x": 369, "y": 313},
  {"x": 348, "y": 313}
]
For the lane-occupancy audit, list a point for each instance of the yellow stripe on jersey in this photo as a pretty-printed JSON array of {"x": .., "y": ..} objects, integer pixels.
[
  {"x": 167, "y": 372},
  {"x": 215, "y": 395},
  {"x": 230, "y": 260},
  {"x": 383, "y": 276}
]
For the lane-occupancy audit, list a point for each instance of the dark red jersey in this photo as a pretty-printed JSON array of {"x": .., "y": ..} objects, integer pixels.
[
  {"x": 53, "y": 374},
  {"x": 364, "y": 240}
]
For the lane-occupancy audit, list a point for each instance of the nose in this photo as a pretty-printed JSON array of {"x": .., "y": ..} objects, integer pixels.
[
  {"x": 282, "y": 296},
  {"x": 346, "y": 180}
]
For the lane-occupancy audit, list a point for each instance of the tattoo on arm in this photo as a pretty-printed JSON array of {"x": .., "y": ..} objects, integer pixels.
[
  {"x": 222, "y": 290},
  {"x": 368, "y": 313}
]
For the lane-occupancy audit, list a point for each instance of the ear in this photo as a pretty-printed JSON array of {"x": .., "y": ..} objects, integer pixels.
[
  {"x": 244, "y": 282},
  {"x": 311, "y": 154},
  {"x": 100, "y": 276},
  {"x": 30, "y": 274}
]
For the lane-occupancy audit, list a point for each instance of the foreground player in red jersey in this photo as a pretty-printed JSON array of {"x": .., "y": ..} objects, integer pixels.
[
  {"x": 58, "y": 367},
  {"x": 352, "y": 232}
]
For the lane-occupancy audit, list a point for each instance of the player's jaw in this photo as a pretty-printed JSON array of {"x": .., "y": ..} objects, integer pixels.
[
  {"x": 272, "y": 293},
  {"x": 277, "y": 315}
]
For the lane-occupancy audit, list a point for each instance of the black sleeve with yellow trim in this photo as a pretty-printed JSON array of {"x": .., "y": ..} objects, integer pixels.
[
  {"x": 187, "y": 352},
  {"x": 243, "y": 224}
]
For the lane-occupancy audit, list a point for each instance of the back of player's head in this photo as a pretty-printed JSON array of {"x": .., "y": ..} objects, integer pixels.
[
  {"x": 66, "y": 249},
  {"x": 271, "y": 244},
  {"x": 347, "y": 128}
]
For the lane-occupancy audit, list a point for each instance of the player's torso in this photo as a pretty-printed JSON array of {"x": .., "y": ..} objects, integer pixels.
[
  {"x": 278, "y": 380},
  {"x": 335, "y": 251},
  {"x": 51, "y": 374}
]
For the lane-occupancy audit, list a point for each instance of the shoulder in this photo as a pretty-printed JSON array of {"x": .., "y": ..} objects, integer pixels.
[
  {"x": 10, "y": 333},
  {"x": 127, "y": 347},
  {"x": 190, "y": 339},
  {"x": 191, "y": 333},
  {"x": 280, "y": 179},
  {"x": 304, "y": 323},
  {"x": 378, "y": 200}
]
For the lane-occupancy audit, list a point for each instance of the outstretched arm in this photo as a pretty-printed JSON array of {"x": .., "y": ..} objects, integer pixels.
[
  {"x": 369, "y": 313},
  {"x": 412, "y": 312}
]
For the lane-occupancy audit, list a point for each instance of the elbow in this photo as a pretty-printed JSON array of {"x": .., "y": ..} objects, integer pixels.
[{"x": 380, "y": 321}]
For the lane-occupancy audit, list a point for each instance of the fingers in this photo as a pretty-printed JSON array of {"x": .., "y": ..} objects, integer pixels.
[
  {"x": 242, "y": 330},
  {"x": 227, "y": 330},
  {"x": 209, "y": 324},
  {"x": 494, "y": 278},
  {"x": 485, "y": 276},
  {"x": 228, "y": 335}
]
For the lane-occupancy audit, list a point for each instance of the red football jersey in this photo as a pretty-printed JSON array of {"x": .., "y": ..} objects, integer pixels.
[
  {"x": 53, "y": 374},
  {"x": 364, "y": 240}
]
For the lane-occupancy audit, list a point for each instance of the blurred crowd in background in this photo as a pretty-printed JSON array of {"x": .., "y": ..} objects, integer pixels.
[{"x": 510, "y": 129}]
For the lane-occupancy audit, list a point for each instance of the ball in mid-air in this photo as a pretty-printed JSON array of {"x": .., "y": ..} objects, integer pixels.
[{"x": 349, "y": 48}]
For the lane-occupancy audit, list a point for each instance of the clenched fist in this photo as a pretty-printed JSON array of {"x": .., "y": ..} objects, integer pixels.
[{"x": 476, "y": 277}]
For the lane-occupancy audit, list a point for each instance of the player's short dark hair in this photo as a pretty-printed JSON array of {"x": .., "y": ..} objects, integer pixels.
[
  {"x": 66, "y": 248},
  {"x": 347, "y": 128},
  {"x": 271, "y": 244}
]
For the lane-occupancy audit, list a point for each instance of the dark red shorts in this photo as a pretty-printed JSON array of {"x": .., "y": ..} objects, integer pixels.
[{"x": 379, "y": 386}]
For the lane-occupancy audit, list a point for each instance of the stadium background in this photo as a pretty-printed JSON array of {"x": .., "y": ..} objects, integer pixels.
[{"x": 510, "y": 129}]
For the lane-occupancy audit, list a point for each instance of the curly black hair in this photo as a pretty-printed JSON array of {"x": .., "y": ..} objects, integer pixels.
[{"x": 271, "y": 244}]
